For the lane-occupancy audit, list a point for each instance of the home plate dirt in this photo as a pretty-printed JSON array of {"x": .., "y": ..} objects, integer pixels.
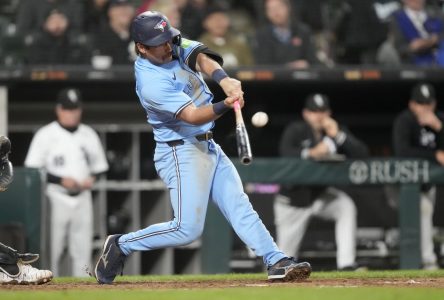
[{"x": 321, "y": 283}]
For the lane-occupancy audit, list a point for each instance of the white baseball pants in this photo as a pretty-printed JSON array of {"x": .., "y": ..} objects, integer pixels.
[{"x": 291, "y": 223}]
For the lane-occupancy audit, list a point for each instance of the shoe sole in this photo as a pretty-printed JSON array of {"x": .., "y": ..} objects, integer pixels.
[
  {"x": 98, "y": 261},
  {"x": 295, "y": 274},
  {"x": 38, "y": 282}
]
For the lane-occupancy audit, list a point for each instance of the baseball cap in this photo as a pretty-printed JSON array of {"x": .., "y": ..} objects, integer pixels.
[
  {"x": 317, "y": 102},
  {"x": 423, "y": 93},
  {"x": 69, "y": 98}
]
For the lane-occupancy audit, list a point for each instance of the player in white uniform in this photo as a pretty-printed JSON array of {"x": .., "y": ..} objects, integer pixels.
[{"x": 72, "y": 156}]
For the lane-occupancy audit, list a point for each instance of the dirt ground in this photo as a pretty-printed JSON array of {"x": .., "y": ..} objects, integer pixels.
[{"x": 149, "y": 285}]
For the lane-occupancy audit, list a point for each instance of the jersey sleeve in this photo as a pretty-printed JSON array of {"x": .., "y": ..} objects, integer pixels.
[
  {"x": 37, "y": 151},
  {"x": 165, "y": 98},
  {"x": 190, "y": 49}
]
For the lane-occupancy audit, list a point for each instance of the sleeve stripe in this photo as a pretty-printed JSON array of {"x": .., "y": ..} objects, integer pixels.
[{"x": 182, "y": 107}]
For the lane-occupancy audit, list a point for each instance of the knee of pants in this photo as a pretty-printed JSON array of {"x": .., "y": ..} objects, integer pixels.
[
  {"x": 189, "y": 233},
  {"x": 348, "y": 207}
]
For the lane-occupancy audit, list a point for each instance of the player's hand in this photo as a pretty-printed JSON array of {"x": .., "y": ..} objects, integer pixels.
[
  {"x": 439, "y": 156},
  {"x": 229, "y": 101},
  {"x": 88, "y": 183},
  {"x": 320, "y": 150},
  {"x": 421, "y": 43},
  {"x": 330, "y": 126},
  {"x": 429, "y": 118},
  {"x": 70, "y": 184},
  {"x": 232, "y": 87}
]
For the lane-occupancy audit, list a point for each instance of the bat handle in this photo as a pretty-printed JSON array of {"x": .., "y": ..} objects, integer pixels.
[{"x": 236, "y": 105}]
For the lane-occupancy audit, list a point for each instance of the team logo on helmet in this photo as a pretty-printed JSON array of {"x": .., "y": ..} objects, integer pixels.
[{"x": 161, "y": 25}]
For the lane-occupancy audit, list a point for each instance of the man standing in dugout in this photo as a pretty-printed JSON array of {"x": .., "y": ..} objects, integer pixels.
[{"x": 318, "y": 137}]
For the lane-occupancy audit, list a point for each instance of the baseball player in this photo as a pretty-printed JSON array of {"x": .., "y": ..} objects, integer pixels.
[
  {"x": 72, "y": 156},
  {"x": 179, "y": 108},
  {"x": 15, "y": 267},
  {"x": 318, "y": 136},
  {"x": 418, "y": 131}
]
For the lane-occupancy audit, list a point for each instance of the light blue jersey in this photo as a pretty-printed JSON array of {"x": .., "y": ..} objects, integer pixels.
[
  {"x": 164, "y": 90},
  {"x": 194, "y": 171}
]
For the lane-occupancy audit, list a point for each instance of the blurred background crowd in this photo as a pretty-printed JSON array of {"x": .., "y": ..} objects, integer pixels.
[{"x": 296, "y": 33}]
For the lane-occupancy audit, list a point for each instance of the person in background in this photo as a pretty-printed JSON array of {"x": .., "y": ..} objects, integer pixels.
[
  {"x": 284, "y": 40},
  {"x": 318, "y": 137},
  {"x": 418, "y": 133},
  {"x": 192, "y": 14},
  {"x": 418, "y": 33},
  {"x": 217, "y": 36},
  {"x": 113, "y": 38},
  {"x": 53, "y": 32},
  {"x": 95, "y": 14},
  {"x": 359, "y": 31},
  {"x": 72, "y": 156},
  {"x": 171, "y": 9}
]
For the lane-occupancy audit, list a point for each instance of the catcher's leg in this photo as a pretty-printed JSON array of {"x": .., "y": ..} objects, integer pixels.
[{"x": 13, "y": 270}]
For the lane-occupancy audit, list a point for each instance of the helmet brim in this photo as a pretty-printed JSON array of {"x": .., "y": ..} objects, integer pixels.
[{"x": 162, "y": 38}]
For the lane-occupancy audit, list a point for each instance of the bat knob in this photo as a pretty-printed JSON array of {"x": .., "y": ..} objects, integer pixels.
[{"x": 246, "y": 160}]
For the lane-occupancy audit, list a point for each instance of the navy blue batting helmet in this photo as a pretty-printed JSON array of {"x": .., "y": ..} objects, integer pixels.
[{"x": 151, "y": 28}]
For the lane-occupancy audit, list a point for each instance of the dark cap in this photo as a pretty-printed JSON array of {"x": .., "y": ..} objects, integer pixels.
[
  {"x": 214, "y": 9},
  {"x": 317, "y": 102},
  {"x": 118, "y": 2},
  {"x": 423, "y": 93},
  {"x": 69, "y": 98}
]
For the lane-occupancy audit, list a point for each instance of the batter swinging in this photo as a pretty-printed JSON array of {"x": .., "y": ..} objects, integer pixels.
[{"x": 179, "y": 107}]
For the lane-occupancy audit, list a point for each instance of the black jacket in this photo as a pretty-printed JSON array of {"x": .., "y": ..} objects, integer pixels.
[
  {"x": 412, "y": 140},
  {"x": 299, "y": 136},
  {"x": 108, "y": 42},
  {"x": 269, "y": 50}
]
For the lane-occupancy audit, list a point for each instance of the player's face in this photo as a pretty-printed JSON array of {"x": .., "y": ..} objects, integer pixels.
[
  {"x": 277, "y": 12},
  {"x": 69, "y": 117},
  {"x": 420, "y": 108},
  {"x": 158, "y": 55},
  {"x": 315, "y": 118},
  {"x": 415, "y": 4},
  {"x": 217, "y": 24}
]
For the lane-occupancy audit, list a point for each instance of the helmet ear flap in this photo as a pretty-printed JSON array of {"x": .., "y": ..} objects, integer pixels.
[{"x": 177, "y": 40}]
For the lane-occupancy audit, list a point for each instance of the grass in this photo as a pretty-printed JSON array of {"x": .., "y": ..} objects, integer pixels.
[
  {"x": 258, "y": 292},
  {"x": 262, "y": 276}
]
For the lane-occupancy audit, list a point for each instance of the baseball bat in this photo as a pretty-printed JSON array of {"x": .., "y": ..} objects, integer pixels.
[{"x": 242, "y": 139}]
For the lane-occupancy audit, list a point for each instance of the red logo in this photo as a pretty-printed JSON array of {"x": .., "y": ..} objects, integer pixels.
[{"x": 161, "y": 25}]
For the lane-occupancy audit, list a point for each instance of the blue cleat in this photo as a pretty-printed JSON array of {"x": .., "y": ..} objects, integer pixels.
[
  {"x": 110, "y": 262},
  {"x": 287, "y": 269}
]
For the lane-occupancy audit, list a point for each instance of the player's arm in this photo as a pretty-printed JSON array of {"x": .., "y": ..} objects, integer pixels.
[
  {"x": 204, "y": 114},
  {"x": 202, "y": 59},
  {"x": 210, "y": 67},
  {"x": 232, "y": 87}
]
